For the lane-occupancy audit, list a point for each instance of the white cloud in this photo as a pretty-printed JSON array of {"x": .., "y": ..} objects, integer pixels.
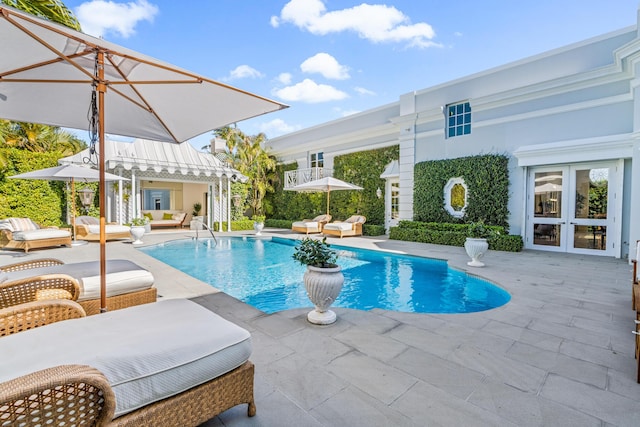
[
  {"x": 345, "y": 113},
  {"x": 310, "y": 92},
  {"x": 377, "y": 23},
  {"x": 99, "y": 17},
  {"x": 244, "y": 72},
  {"x": 363, "y": 91},
  {"x": 277, "y": 127},
  {"x": 284, "y": 78},
  {"x": 326, "y": 65}
]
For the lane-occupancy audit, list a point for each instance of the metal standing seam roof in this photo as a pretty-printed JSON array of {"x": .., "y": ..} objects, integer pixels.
[{"x": 143, "y": 155}]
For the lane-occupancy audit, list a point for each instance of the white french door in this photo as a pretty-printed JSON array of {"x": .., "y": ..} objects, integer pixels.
[
  {"x": 392, "y": 203},
  {"x": 572, "y": 208}
]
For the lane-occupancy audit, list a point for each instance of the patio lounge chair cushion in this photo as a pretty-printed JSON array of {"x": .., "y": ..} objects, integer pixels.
[
  {"x": 123, "y": 277},
  {"x": 39, "y": 234},
  {"x": 147, "y": 353},
  {"x": 339, "y": 226}
]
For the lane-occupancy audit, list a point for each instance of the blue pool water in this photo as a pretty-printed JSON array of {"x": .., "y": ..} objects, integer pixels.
[{"x": 262, "y": 273}]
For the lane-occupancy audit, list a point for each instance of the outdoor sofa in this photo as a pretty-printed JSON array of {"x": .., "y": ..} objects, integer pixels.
[
  {"x": 171, "y": 363},
  {"x": 88, "y": 228},
  {"x": 314, "y": 225},
  {"x": 170, "y": 218},
  {"x": 352, "y": 226},
  {"x": 128, "y": 284},
  {"x": 23, "y": 233}
]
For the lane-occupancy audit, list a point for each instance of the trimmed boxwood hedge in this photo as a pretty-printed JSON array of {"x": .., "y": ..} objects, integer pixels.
[{"x": 451, "y": 234}]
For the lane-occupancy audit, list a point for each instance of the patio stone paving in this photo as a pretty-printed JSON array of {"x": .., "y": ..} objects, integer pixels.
[{"x": 560, "y": 352}]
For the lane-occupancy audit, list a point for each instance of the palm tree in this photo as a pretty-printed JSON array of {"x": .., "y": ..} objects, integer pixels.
[
  {"x": 251, "y": 159},
  {"x": 53, "y": 10},
  {"x": 39, "y": 138}
]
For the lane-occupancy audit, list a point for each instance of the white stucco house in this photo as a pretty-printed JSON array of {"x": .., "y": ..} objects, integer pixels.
[{"x": 568, "y": 119}]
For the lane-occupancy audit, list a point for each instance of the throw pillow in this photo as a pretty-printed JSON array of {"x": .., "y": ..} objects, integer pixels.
[
  {"x": 148, "y": 215},
  {"x": 167, "y": 215}
]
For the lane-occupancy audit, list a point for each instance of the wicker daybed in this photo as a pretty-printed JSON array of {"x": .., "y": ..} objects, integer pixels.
[
  {"x": 96, "y": 382},
  {"x": 88, "y": 228},
  {"x": 24, "y": 234},
  {"x": 314, "y": 225},
  {"x": 352, "y": 226},
  {"x": 127, "y": 283}
]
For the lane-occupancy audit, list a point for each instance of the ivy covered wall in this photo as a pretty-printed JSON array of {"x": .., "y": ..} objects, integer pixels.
[
  {"x": 487, "y": 179},
  {"x": 362, "y": 168},
  {"x": 42, "y": 201}
]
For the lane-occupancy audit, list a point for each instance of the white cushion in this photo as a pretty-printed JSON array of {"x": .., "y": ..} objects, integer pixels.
[
  {"x": 344, "y": 226},
  {"x": 41, "y": 233},
  {"x": 87, "y": 220},
  {"x": 308, "y": 224},
  {"x": 147, "y": 352},
  {"x": 120, "y": 283},
  {"x": 3, "y": 276},
  {"x": 123, "y": 277},
  {"x": 110, "y": 228}
]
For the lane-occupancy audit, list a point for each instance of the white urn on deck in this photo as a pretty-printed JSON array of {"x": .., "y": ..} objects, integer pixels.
[
  {"x": 258, "y": 224},
  {"x": 137, "y": 231},
  {"x": 323, "y": 287},
  {"x": 323, "y": 279},
  {"x": 476, "y": 248}
]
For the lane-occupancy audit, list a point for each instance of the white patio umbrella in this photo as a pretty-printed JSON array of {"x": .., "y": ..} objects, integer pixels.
[
  {"x": 327, "y": 184},
  {"x": 69, "y": 173},
  {"x": 53, "y": 75}
]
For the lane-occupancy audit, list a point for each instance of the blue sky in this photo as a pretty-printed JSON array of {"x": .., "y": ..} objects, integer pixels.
[{"x": 330, "y": 58}]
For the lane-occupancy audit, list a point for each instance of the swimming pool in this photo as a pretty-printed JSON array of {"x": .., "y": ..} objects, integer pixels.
[{"x": 262, "y": 273}]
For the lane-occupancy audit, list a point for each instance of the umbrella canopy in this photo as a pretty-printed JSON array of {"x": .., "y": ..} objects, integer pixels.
[
  {"x": 54, "y": 75},
  {"x": 68, "y": 173},
  {"x": 327, "y": 184}
]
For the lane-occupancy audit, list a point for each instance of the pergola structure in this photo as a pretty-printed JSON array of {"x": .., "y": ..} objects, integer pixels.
[{"x": 161, "y": 161}]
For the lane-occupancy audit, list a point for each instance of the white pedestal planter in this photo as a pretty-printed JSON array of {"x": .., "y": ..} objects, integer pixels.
[
  {"x": 197, "y": 223},
  {"x": 323, "y": 287},
  {"x": 476, "y": 248},
  {"x": 137, "y": 231},
  {"x": 258, "y": 226}
]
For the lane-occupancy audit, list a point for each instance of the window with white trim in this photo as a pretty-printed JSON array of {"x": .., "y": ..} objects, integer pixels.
[
  {"x": 316, "y": 160},
  {"x": 458, "y": 119}
]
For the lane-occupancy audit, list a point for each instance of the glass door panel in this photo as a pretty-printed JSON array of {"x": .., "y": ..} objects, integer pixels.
[
  {"x": 591, "y": 211},
  {"x": 546, "y": 229}
]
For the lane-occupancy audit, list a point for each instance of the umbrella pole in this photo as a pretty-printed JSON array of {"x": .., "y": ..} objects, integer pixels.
[
  {"x": 328, "y": 193},
  {"x": 73, "y": 207},
  {"x": 101, "y": 88}
]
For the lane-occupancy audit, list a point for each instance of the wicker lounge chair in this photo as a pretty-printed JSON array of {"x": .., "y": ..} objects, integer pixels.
[
  {"x": 127, "y": 283},
  {"x": 88, "y": 228},
  {"x": 311, "y": 225},
  {"x": 111, "y": 387},
  {"x": 350, "y": 227},
  {"x": 23, "y": 233}
]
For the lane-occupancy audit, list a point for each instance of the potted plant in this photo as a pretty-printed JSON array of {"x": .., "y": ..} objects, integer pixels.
[
  {"x": 476, "y": 243},
  {"x": 138, "y": 226},
  {"x": 258, "y": 223},
  {"x": 323, "y": 279}
]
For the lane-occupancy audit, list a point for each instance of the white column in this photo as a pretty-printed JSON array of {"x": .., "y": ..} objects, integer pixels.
[
  {"x": 220, "y": 217},
  {"x": 134, "y": 200},
  {"x": 228, "y": 204}
]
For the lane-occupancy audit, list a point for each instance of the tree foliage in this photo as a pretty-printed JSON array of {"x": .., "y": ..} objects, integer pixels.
[
  {"x": 52, "y": 10},
  {"x": 247, "y": 154}
]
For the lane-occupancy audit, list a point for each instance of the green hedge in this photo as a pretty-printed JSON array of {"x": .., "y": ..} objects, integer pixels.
[
  {"x": 373, "y": 230},
  {"x": 42, "y": 201},
  {"x": 451, "y": 234},
  {"x": 487, "y": 179},
  {"x": 362, "y": 168},
  {"x": 244, "y": 224}
]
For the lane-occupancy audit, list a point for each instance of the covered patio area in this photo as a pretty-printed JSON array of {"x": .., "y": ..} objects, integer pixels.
[{"x": 165, "y": 178}]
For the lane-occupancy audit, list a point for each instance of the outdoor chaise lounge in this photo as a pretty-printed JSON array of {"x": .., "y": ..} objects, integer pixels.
[
  {"x": 128, "y": 284},
  {"x": 164, "y": 219},
  {"x": 352, "y": 226},
  {"x": 314, "y": 225},
  {"x": 23, "y": 233},
  {"x": 88, "y": 228},
  {"x": 171, "y": 363}
]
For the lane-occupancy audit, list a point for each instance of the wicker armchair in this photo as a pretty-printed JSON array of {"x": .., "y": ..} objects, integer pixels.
[
  {"x": 84, "y": 397},
  {"x": 62, "y": 286},
  {"x": 31, "y": 315}
]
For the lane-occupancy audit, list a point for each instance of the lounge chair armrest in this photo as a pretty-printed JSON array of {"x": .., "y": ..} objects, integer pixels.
[
  {"x": 68, "y": 393},
  {"x": 25, "y": 290},
  {"x": 31, "y": 315},
  {"x": 34, "y": 263}
]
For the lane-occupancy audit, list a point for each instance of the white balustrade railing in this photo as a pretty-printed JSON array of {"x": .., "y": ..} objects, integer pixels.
[{"x": 301, "y": 176}]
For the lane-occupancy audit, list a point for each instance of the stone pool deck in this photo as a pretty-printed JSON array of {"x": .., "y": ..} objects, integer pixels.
[{"x": 560, "y": 352}]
